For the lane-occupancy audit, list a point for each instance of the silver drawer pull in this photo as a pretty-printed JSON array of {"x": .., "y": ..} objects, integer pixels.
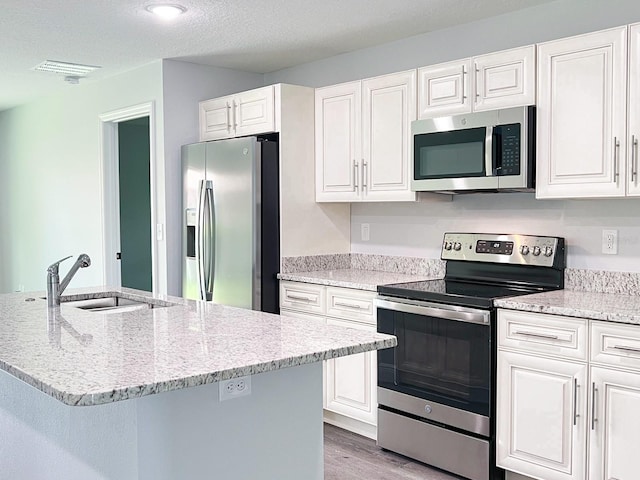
[
  {"x": 627, "y": 349},
  {"x": 538, "y": 335},
  {"x": 299, "y": 297},
  {"x": 348, "y": 305},
  {"x": 594, "y": 392}
]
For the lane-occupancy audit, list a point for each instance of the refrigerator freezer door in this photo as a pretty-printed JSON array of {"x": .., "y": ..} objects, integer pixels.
[
  {"x": 193, "y": 175},
  {"x": 233, "y": 167}
]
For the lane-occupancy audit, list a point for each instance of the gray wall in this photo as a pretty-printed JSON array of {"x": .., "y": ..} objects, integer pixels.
[{"x": 545, "y": 22}]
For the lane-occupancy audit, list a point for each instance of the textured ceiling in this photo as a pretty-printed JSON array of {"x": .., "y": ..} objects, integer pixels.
[{"x": 252, "y": 35}]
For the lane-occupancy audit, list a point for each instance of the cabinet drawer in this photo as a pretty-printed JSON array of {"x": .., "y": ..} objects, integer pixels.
[
  {"x": 543, "y": 333},
  {"x": 614, "y": 344},
  {"x": 352, "y": 304},
  {"x": 305, "y": 297}
]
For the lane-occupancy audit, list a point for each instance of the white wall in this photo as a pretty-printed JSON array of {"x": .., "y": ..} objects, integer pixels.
[
  {"x": 184, "y": 85},
  {"x": 50, "y": 177},
  {"x": 417, "y": 229}
]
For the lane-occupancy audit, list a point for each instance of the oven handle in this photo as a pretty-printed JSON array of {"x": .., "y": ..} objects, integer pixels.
[{"x": 449, "y": 312}]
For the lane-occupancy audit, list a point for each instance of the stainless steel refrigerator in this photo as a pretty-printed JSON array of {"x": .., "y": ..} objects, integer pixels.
[{"x": 231, "y": 226}]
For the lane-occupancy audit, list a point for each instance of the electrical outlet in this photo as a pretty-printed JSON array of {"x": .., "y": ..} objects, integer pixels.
[
  {"x": 235, "y": 387},
  {"x": 364, "y": 232},
  {"x": 610, "y": 242}
]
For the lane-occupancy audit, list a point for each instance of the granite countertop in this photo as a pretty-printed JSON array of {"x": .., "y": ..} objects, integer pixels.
[
  {"x": 352, "y": 278},
  {"x": 88, "y": 358},
  {"x": 596, "y": 306}
]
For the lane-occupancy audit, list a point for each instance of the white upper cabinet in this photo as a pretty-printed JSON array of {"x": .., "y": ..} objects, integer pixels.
[
  {"x": 338, "y": 150},
  {"x": 633, "y": 134},
  {"x": 443, "y": 89},
  {"x": 505, "y": 79},
  {"x": 582, "y": 121},
  {"x": 363, "y": 139},
  {"x": 497, "y": 80},
  {"x": 238, "y": 115}
]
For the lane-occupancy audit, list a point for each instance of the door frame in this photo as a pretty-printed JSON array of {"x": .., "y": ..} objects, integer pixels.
[{"x": 109, "y": 159}]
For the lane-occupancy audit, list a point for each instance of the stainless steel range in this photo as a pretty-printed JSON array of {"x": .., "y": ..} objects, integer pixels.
[{"x": 436, "y": 389}]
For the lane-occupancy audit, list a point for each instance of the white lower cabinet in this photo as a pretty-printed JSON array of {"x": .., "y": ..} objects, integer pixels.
[
  {"x": 541, "y": 416},
  {"x": 562, "y": 415},
  {"x": 350, "y": 382}
]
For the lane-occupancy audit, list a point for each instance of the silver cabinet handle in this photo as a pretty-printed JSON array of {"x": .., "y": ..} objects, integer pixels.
[
  {"x": 348, "y": 305},
  {"x": 228, "y": 117},
  {"x": 575, "y": 402},
  {"x": 627, "y": 349},
  {"x": 594, "y": 391},
  {"x": 364, "y": 174},
  {"x": 476, "y": 83},
  {"x": 464, "y": 97},
  {"x": 538, "y": 335},
  {"x": 355, "y": 176},
  {"x": 616, "y": 149},
  {"x": 299, "y": 297},
  {"x": 634, "y": 159},
  {"x": 235, "y": 115}
]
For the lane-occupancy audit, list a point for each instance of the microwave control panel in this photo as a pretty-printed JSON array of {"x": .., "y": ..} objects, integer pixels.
[
  {"x": 503, "y": 248},
  {"x": 509, "y": 145}
]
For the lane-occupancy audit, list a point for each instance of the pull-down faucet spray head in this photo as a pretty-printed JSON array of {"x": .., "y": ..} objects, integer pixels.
[{"x": 54, "y": 286}]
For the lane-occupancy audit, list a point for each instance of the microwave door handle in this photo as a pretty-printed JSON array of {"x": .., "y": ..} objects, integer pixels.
[{"x": 488, "y": 152}]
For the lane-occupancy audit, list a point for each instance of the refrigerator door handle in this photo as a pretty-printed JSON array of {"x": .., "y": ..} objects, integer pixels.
[
  {"x": 210, "y": 241},
  {"x": 200, "y": 232}
]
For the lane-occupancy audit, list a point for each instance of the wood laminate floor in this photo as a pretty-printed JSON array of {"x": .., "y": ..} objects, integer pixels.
[{"x": 348, "y": 456}]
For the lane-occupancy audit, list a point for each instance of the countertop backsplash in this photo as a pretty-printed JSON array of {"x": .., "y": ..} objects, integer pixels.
[
  {"x": 432, "y": 268},
  {"x": 598, "y": 281}
]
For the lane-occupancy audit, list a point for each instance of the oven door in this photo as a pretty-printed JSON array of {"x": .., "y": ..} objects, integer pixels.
[{"x": 443, "y": 354}]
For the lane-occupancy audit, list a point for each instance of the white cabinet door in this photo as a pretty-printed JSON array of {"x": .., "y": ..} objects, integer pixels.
[
  {"x": 505, "y": 79},
  {"x": 254, "y": 111},
  {"x": 215, "y": 119},
  {"x": 338, "y": 115},
  {"x": 443, "y": 89},
  {"x": 542, "y": 411},
  {"x": 633, "y": 136},
  {"x": 351, "y": 381},
  {"x": 615, "y": 434},
  {"x": 388, "y": 108},
  {"x": 582, "y": 116}
]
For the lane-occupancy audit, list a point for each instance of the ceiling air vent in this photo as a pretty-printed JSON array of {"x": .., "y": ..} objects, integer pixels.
[{"x": 65, "y": 68}]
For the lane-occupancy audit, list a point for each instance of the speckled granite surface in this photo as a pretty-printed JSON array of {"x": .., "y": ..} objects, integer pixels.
[
  {"x": 626, "y": 283},
  {"x": 351, "y": 278},
  {"x": 571, "y": 303},
  {"x": 311, "y": 263},
  {"x": 88, "y": 358},
  {"x": 428, "y": 267}
]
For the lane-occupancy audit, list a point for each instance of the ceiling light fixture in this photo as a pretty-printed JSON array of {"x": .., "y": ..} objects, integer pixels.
[
  {"x": 166, "y": 11},
  {"x": 65, "y": 68}
]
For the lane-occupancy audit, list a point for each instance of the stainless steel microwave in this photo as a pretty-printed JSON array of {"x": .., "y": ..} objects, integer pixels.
[{"x": 482, "y": 151}]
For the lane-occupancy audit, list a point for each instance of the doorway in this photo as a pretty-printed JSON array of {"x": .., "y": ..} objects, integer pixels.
[
  {"x": 135, "y": 206},
  {"x": 129, "y": 205}
]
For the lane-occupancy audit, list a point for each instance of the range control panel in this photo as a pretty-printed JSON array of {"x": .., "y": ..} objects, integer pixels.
[{"x": 503, "y": 248}]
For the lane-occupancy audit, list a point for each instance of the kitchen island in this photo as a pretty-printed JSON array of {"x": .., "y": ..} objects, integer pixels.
[{"x": 134, "y": 394}]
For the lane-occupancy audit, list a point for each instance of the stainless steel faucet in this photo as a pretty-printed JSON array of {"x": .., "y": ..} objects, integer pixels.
[{"x": 54, "y": 287}]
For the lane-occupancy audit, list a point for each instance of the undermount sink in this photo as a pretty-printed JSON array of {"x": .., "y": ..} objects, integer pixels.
[{"x": 114, "y": 303}]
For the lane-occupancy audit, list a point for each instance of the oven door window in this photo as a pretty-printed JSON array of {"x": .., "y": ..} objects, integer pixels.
[
  {"x": 445, "y": 361},
  {"x": 459, "y": 153}
]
